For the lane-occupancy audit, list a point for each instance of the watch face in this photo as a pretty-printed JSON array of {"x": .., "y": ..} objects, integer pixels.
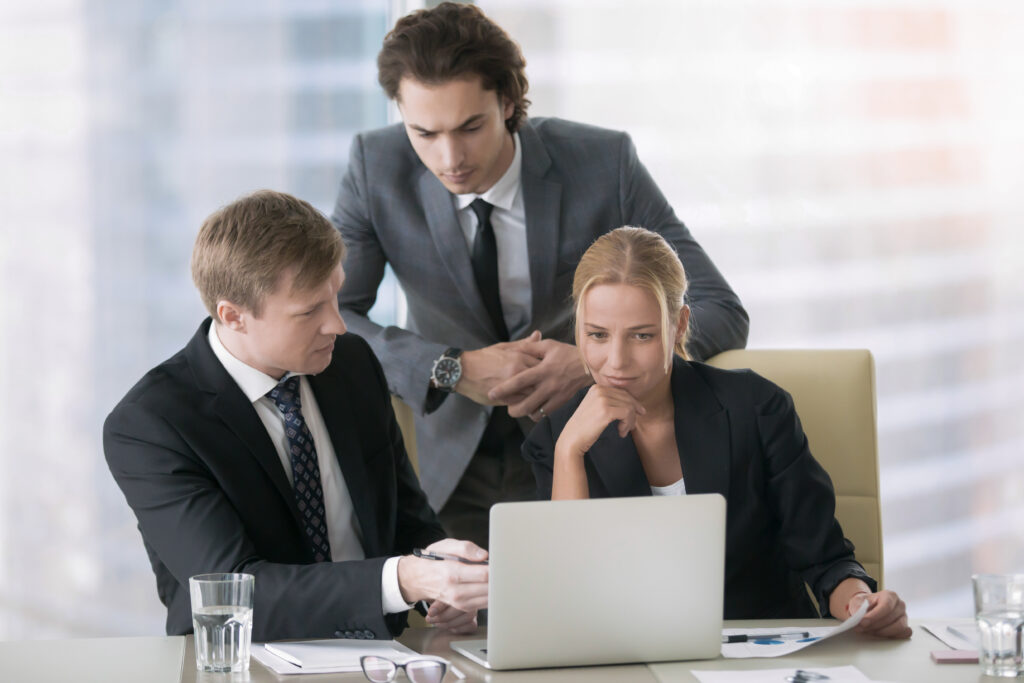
[{"x": 447, "y": 372}]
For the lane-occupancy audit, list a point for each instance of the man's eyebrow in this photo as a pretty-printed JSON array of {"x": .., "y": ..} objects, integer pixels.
[{"x": 468, "y": 122}]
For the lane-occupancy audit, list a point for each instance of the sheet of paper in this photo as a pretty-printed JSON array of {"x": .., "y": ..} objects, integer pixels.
[
  {"x": 956, "y": 634},
  {"x": 836, "y": 674},
  {"x": 778, "y": 648},
  {"x": 335, "y": 656}
]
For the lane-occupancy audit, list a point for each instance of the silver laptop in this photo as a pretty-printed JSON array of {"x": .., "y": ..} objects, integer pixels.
[{"x": 606, "y": 581}]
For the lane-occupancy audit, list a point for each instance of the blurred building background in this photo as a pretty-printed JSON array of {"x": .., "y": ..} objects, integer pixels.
[{"x": 854, "y": 168}]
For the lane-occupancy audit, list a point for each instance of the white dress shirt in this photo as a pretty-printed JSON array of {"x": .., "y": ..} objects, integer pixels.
[
  {"x": 509, "y": 222},
  {"x": 342, "y": 527},
  {"x": 676, "y": 489}
]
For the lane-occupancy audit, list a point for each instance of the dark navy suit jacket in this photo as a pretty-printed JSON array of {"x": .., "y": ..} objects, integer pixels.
[{"x": 201, "y": 474}]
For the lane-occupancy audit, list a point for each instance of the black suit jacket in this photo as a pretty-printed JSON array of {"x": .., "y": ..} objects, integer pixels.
[
  {"x": 738, "y": 435},
  {"x": 200, "y": 472}
]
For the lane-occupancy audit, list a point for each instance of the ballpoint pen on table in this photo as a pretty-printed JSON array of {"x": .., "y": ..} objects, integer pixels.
[
  {"x": 747, "y": 637},
  {"x": 426, "y": 555},
  {"x": 959, "y": 634}
]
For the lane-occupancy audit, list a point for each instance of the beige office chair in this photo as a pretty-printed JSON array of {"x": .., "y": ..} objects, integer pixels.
[
  {"x": 404, "y": 416},
  {"x": 834, "y": 393}
]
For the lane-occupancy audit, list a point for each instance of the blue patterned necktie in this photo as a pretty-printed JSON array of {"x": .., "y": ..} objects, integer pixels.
[{"x": 309, "y": 495}]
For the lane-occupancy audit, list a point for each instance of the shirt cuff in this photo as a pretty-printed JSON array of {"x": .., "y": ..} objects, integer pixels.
[{"x": 390, "y": 592}]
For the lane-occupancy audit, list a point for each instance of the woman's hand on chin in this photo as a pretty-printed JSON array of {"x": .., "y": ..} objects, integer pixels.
[{"x": 600, "y": 407}]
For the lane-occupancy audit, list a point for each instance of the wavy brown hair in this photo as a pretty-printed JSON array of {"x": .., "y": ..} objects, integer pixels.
[{"x": 453, "y": 41}]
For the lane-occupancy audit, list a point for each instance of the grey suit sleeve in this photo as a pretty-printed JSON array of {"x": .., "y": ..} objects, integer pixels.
[
  {"x": 188, "y": 521},
  {"x": 718, "y": 321},
  {"x": 407, "y": 357}
]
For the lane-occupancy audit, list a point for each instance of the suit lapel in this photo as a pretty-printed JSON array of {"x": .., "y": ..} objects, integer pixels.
[
  {"x": 336, "y": 409},
  {"x": 702, "y": 438},
  {"x": 542, "y": 200},
  {"x": 238, "y": 413},
  {"x": 702, "y": 432},
  {"x": 451, "y": 242},
  {"x": 618, "y": 464}
]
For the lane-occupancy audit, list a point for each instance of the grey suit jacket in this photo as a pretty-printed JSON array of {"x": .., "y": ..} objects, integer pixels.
[{"x": 578, "y": 182}]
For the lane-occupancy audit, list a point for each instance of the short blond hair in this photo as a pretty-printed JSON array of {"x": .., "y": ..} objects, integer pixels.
[
  {"x": 244, "y": 248},
  {"x": 638, "y": 257}
]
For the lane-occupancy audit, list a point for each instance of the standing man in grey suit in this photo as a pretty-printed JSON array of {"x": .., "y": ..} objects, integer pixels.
[{"x": 483, "y": 215}]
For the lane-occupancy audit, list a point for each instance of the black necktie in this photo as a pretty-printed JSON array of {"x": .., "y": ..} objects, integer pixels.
[
  {"x": 309, "y": 495},
  {"x": 485, "y": 266}
]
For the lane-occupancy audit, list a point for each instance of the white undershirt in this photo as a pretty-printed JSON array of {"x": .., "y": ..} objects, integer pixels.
[
  {"x": 676, "y": 489},
  {"x": 508, "y": 218},
  {"x": 343, "y": 531}
]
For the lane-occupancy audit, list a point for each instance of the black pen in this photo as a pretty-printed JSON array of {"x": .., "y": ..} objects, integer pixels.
[
  {"x": 747, "y": 637},
  {"x": 419, "y": 552}
]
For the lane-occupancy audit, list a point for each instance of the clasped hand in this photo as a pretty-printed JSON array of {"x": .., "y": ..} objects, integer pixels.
[{"x": 532, "y": 376}]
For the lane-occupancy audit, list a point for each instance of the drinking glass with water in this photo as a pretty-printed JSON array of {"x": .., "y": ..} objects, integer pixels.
[
  {"x": 999, "y": 610},
  {"x": 222, "y": 619}
]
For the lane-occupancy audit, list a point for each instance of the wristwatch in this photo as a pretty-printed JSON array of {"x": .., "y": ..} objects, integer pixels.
[{"x": 447, "y": 370}]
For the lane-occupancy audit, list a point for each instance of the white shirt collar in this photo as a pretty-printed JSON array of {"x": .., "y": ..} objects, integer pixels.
[
  {"x": 253, "y": 383},
  {"x": 503, "y": 192}
]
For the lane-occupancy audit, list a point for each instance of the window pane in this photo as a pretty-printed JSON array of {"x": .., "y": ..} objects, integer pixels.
[{"x": 122, "y": 125}]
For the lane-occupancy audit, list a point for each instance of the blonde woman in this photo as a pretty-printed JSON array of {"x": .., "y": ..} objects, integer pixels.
[{"x": 656, "y": 423}]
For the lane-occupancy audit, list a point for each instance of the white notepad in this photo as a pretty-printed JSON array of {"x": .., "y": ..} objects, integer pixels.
[{"x": 325, "y": 656}]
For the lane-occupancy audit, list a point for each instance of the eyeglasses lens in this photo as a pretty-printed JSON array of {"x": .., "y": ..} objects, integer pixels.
[
  {"x": 378, "y": 670},
  {"x": 425, "y": 671}
]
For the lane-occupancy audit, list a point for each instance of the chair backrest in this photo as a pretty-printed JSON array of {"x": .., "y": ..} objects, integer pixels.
[
  {"x": 834, "y": 394},
  {"x": 406, "y": 423}
]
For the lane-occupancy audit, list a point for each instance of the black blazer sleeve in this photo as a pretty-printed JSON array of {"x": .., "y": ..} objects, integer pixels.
[
  {"x": 539, "y": 450},
  {"x": 801, "y": 495}
]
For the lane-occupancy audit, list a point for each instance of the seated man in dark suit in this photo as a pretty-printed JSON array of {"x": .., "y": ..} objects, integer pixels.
[{"x": 268, "y": 446}]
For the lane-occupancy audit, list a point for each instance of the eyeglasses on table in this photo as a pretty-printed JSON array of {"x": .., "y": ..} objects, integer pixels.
[{"x": 422, "y": 669}]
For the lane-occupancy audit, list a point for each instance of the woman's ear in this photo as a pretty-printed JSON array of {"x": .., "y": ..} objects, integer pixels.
[{"x": 684, "y": 322}]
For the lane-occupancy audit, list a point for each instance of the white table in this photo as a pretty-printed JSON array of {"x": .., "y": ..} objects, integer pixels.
[{"x": 172, "y": 660}]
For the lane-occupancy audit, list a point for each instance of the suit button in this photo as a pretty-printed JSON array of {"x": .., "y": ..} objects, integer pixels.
[
  {"x": 369, "y": 634},
  {"x": 348, "y": 634},
  {"x": 337, "y": 634}
]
